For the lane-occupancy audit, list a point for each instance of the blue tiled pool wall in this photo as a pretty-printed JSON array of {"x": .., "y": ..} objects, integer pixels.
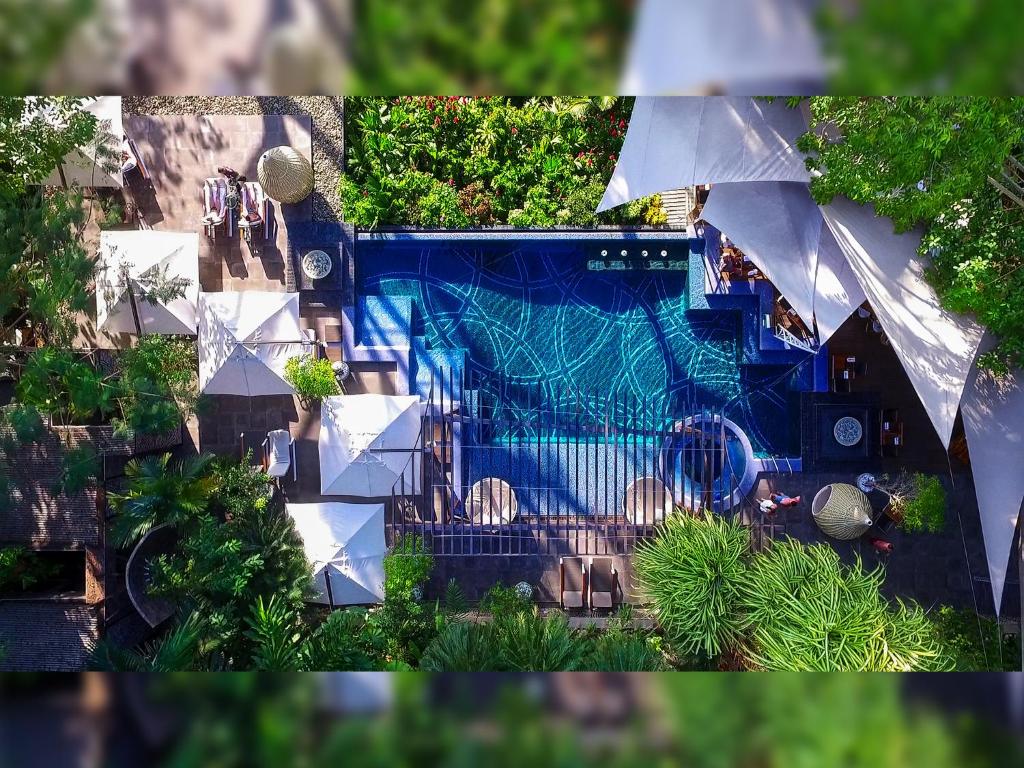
[{"x": 530, "y": 314}]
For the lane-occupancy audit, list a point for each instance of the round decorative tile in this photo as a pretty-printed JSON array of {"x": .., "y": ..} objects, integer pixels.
[{"x": 848, "y": 431}]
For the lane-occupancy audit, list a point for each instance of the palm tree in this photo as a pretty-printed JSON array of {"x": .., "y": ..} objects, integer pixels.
[{"x": 161, "y": 494}]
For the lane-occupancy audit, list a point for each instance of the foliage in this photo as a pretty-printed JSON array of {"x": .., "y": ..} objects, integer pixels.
[
  {"x": 810, "y": 612},
  {"x": 885, "y": 47},
  {"x": 977, "y": 254},
  {"x": 501, "y": 600},
  {"x": 463, "y": 646},
  {"x": 456, "y": 162},
  {"x": 927, "y": 162},
  {"x": 312, "y": 378},
  {"x": 408, "y": 564},
  {"x": 112, "y": 216},
  {"x": 177, "y": 651},
  {"x": 454, "y": 598},
  {"x": 926, "y": 509},
  {"x": 35, "y": 135},
  {"x": 693, "y": 571},
  {"x": 159, "y": 493},
  {"x": 22, "y": 569},
  {"x": 975, "y": 642},
  {"x": 23, "y": 421},
  {"x": 489, "y": 47},
  {"x": 59, "y": 382},
  {"x": 79, "y": 466},
  {"x": 529, "y": 642},
  {"x": 157, "y": 386}
]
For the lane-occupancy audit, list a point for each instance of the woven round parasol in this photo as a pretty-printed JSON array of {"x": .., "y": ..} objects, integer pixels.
[
  {"x": 285, "y": 175},
  {"x": 841, "y": 511}
]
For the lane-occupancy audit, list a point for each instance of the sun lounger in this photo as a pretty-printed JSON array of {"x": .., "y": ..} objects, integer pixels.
[
  {"x": 601, "y": 578},
  {"x": 573, "y": 581},
  {"x": 215, "y": 210},
  {"x": 134, "y": 159},
  {"x": 279, "y": 454},
  {"x": 253, "y": 217}
]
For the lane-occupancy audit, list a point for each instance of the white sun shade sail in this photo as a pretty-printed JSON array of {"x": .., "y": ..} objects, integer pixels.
[
  {"x": 993, "y": 411},
  {"x": 345, "y": 546},
  {"x": 936, "y": 347},
  {"x": 735, "y": 46},
  {"x": 678, "y": 141},
  {"x": 99, "y": 163},
  {"x": 778, "y": 226},
  {"x": 367, "y": 444},
  {"x": 147, "y": 257},
  {"x": 245, "y": 339}
]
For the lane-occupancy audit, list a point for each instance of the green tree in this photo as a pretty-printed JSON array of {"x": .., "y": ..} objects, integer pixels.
[{"x": 947, "y": 165}]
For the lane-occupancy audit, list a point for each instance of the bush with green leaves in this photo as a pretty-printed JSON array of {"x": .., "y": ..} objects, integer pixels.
[
  {"x": 313, "y": 378},
  {"x": 975, "y": 642},
  {"x": 407, "y": 565},
  {"x": 156, "y": 384},
  {"x": 501, "y": 600},
  {"x": 459, "y": 162},
  {"x": 808, "y": 611},
  {"x": 61, "y": 384},
  {"x": 693, "y": 571},
  {"x": 925, "y": 510},
  {"x": 21, "y": 569}
]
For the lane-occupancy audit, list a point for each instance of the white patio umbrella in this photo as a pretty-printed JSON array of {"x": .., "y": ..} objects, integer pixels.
[
  {"x": 97, "y": 164},
  {"x": 368, "y": 443},
  {"x": 345, "y": 545},
  {"x": 245, "y": 339},
  {"x": 147, "y": 258}
]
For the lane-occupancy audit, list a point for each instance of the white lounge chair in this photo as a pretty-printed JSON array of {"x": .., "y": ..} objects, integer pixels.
[
  {"x": 215, "y": 201},
  {"x": 279, "y": 454},
  {"x": 253, "y": 216}
]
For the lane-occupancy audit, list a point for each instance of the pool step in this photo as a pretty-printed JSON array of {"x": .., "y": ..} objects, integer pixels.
[
  {"x": 442, "y": 367},
  {"x": 386, "y": 321}
]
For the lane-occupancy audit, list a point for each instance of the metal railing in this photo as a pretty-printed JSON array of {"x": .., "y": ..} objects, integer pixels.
[{"x": 506, "y": 468}]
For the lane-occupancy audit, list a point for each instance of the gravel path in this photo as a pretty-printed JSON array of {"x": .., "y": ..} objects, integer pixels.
[{"x": 328, "y": 134}]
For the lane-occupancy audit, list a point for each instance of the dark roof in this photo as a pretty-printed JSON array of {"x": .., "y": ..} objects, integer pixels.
[
  {"x": 34, "y": 515},
  {"x": 46, "y": 636}
]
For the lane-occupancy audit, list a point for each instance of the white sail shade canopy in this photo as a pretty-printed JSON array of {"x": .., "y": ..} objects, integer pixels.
[
  {"x": 345, "y": 546},
  {"x": 245, "y": 339},
  {"x": 678, "y": 141},
  {"x": 368, "y": 444},
  {"x": 936, "y": 346},
  {"x": 993, "y": 411},
  {"x": 743, "y": 47},
  {"x": 146, "y": 258},
  {"x": 97, "y": 164},
  {"x": 778, "y": 226}
]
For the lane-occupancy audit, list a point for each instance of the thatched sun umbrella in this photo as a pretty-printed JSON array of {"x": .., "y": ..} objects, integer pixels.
[
  {"x": 285, "y": 175},
  {"x": 841, "y": 511}
]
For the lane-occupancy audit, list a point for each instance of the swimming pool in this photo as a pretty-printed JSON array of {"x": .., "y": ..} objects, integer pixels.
[{"x": 561, "y": 316}]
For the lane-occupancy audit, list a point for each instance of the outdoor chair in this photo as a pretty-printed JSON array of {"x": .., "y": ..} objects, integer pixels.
[
  {"x": 253, "y": 217},
  {"x": 215, "y": 201},
  {"x": 601, "y": 578},
  {"x": 279, "y": 454},
  {"x": 573, "y": 582},
  {"x": 133, "y": 158}
]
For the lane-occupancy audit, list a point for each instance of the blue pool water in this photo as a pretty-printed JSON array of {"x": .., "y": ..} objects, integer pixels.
[{"x": 532, "y": 313}]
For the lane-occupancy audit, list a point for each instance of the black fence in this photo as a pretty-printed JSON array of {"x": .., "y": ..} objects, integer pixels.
[{"x": 507, "y": 467}]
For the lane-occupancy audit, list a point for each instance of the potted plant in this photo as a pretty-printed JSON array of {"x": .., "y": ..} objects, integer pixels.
[
  {"x": 312, "y": 378},
  {"x": 917, "y": 502}
]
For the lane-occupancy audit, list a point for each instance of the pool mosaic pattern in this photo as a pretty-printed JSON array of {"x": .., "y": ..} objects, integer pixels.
[{"x": 532, "y": 314}]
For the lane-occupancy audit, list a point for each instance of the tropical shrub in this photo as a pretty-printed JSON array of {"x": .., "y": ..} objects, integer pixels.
[
  {"x": 529, "y": 642},
  {"x": 501, "y": 600},
  {"x": 312, "y": 378},
  {"x": 463, "y": 646},
  {"x": 459, "y": 162},
  {"x": 693, "y": 571},
  {"x": 975, "y": 642},
  {"x": 926, "y": 509},
  {"x": 810, "y": 612},
  {"x": 60, "y": 383},
  {"x": 407, "y": 565},
  {"x": 21, "y": 569},
  {"x": 156, "y": 386}
]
